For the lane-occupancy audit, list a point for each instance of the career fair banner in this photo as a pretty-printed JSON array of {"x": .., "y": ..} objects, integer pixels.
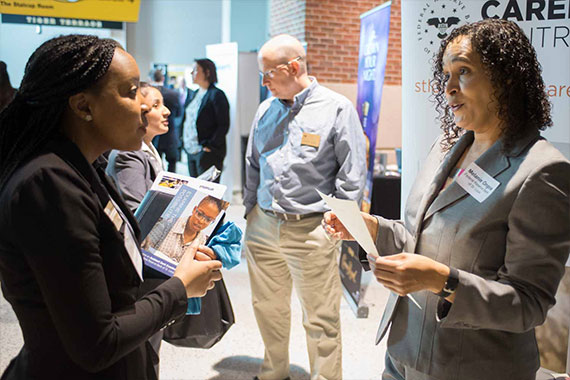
[
  {"x": 424, "y": 25},
  {"x": 374, "y": 31},
  {"x": 106, "y": 10}
]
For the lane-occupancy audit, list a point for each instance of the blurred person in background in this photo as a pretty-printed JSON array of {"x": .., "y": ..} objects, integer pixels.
[{"x": 207, "y": 121}]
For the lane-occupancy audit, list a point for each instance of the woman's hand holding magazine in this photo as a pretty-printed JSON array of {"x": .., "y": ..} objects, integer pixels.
[
  {"x": 197, "y": 276},
  {"x": 205, "y": 253}
]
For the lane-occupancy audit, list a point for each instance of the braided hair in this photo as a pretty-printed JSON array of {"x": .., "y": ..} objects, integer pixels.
[
  {"x": 59, "y": 68},
  {"x": 510, "y": 62}
]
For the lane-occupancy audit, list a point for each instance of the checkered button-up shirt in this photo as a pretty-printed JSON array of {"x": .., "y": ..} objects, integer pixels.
[{"x": 171, "y": 243}]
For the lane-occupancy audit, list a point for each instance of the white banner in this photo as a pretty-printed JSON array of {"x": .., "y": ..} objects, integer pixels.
[
  {"x": 225, "y": 56},
  {"x": 426, "y": 22}
]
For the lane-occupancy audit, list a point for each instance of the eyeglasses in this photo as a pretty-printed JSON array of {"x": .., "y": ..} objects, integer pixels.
[
  {"x": 204, "y": 217},
  {"x": 271, "y": 73}
]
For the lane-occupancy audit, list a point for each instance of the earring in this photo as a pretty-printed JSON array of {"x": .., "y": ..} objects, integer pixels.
[{"x": 88, "y": 117}]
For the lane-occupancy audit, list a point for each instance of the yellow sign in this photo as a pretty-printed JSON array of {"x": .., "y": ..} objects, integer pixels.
[{"x": 106, "y": 10}]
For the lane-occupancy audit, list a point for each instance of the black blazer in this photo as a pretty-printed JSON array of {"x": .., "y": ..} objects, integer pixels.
[
  {"x": 69, "y": 278},
  {"x": 212, "y": 125}
]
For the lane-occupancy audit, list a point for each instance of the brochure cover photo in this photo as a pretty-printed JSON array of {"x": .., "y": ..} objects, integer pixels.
[{"x": 191, "y": 215}]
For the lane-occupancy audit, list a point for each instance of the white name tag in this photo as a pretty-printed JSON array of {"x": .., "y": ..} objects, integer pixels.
[
  {"x": 477, "y": 182},
  {"x": 112, "y": 211},
  {"x": 134, "y": 252}
]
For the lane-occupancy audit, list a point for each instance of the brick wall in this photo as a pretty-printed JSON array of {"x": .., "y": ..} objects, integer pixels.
[
  {"x": 331, "y": 29},
  {"x": 393, "y": 73},
  {"x": 287, "y": 16}
]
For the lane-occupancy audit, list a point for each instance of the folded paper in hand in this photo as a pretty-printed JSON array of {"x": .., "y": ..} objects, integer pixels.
[{"x": 348, "y": 213}]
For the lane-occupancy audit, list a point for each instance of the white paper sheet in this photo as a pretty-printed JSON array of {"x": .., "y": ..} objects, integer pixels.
[{"x": 348, "y": 212}]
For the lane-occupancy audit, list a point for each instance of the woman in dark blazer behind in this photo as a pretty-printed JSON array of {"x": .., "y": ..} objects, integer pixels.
[
  {"x": 207, "y": 121},
  {"x": 69, "y": 246}
]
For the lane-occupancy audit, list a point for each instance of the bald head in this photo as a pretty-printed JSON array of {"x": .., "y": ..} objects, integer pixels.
[
  {"x": 283, "y": 65},
  {"x": 283, "y": 48}
]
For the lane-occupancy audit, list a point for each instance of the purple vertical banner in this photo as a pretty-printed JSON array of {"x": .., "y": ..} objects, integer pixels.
[{"x": 374, "y": 31}]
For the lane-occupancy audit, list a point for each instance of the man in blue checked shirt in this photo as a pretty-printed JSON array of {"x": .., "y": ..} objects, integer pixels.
[{"x": 306, "y": 137}]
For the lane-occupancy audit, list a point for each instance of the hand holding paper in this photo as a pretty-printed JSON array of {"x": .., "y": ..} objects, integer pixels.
[{"x": 348, "y": 213}]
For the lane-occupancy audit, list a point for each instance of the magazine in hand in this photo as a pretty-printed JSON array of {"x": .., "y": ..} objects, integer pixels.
[{"x": 176, "y": 211}]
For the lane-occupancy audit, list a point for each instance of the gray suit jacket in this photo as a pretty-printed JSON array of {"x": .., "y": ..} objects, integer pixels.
[
  {"x": 510, "y": 251},
  {"x": 133, "y": 173}
]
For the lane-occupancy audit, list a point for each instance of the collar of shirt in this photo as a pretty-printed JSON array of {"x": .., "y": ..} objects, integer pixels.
[
  {"x": 299, "y": 99},
  {"x": 178, "y": 228},
  {"x": 152, "y": 151}
]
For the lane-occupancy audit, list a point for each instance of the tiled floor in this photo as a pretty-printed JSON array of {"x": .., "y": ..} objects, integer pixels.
[{"x": 239, "y": 354}]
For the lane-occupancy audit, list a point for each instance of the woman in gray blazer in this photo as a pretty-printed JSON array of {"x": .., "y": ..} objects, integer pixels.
[
  {"x": 486, "y": 231},
  {"x": 135, "y": 171}
]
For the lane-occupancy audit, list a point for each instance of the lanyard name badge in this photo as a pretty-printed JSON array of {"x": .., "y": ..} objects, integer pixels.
[
  {"x": 112, "y": 211},
  {"x": 477, "y": 182}
]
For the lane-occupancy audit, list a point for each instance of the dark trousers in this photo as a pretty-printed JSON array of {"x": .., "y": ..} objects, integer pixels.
[
  {"x": 200, "y": 162},
  {"x": 194, "y": 167},
  {"x": 171, "y": 155}
]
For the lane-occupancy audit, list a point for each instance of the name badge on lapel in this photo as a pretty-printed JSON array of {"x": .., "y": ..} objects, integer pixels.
[
  {"x": 134, "y": 252},
  {"x": 310, "y": 139},
  {"x": 129, "y": 239},
  {"x": 477, "y": 182},
  {"x": 114, "y": 215}
]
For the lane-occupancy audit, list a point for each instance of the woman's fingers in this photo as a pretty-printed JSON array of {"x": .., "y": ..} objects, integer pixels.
[
  {"x": 407, "y": 273},
  {"x": 202, "y": 257},
  {"x": 197, "y": 276},
  {"x": 214, "y": 266},
  {"x": 384, "y": 276},
  {"x": 207, "y": 251}
]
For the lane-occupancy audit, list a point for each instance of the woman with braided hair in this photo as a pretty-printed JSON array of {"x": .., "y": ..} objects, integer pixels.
[{"x": 69, "y": 253}]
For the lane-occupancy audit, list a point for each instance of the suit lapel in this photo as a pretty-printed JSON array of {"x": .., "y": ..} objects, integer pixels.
[
  {"x": 113, "y": 193},
  {"x": 189, "y": 97},
  {"x": 493, "y": 161},
  {"x": 440, "y": 177},
  {"x": 204, "y": 101}
]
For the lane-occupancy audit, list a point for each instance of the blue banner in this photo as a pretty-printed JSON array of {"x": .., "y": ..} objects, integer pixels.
[{"x": 374, "y": 31}]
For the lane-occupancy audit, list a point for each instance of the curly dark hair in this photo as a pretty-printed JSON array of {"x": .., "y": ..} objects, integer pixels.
[
  {"x": 510, "y": 62},
  {"x": 59, "y": 68}
]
